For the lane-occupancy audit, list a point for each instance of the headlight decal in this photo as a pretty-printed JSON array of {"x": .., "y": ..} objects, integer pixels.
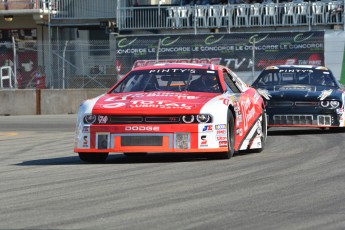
[
  {"x": 198, "y": 118},
  {"x": 203, "y": 118},
  {"x": 330, "y": 104},
  {"x": 188, "y": 119},
  {"x": 90, "y": 119},
  {"x": 334, "y": 104}
]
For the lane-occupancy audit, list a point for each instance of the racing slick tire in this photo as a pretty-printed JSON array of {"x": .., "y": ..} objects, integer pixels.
[
  {"x": 264, "y": 132},
  {"x": 93, "y": 157},
  {"x": 231, "y": 139}
]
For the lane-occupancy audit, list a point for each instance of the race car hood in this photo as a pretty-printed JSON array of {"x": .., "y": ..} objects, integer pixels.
[
  {"x": 299, "y": 92},
  {"x": 151, "y": 103}
]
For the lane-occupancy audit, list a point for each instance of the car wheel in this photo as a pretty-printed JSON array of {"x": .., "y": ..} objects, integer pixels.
[
  {"x": 263, "y": 131},
  {"x": 231, "y": 140},
  {"x": 231, "y": 136},
  {"x": 93, "y": 157}
]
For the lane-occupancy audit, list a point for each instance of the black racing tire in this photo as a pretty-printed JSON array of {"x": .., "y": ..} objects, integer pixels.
[
  {"x": 264, "y": 132},
  {"x": 231, "y": 139},
  {"x": 93, "y": 157},
  {"x": 140, "y": 154}
]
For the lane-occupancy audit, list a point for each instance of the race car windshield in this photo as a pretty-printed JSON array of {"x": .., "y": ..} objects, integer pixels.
[
  {"x": 177, "y": 80},
  {"x": 293, "y": 76}
]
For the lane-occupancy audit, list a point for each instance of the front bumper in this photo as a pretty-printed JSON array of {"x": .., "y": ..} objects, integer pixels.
[
  {"x": 305, "y": 117},
  {"x": 143, "y": 138}
]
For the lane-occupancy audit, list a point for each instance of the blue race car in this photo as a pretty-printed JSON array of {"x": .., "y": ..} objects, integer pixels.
[{"x": 301, "y": 96}]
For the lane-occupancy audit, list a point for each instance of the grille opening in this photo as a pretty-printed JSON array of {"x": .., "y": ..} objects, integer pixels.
[
  {"x": 324, "y": 120},
  {"x": 125, "y": 119},
  {"x": 102, "y": 141},
  {"x": 293, "y": 119},
  {"x": 142, "y": 140},
  {"x": 175, "y": 119}
]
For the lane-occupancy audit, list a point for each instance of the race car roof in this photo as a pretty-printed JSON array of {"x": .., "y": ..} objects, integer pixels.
[
  {"x": 296, "y": 67},
  {"x": 180, "y": 65}
]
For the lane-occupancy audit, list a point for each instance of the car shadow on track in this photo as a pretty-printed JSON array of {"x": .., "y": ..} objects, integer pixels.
[
  {"x": 72, "y": 160},
  {"x": 120, "y": 159},
  {"x": 301, "y": 131}
]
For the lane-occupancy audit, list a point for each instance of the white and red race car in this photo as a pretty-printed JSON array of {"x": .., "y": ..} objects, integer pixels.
[{"x": 172, "y": 108}]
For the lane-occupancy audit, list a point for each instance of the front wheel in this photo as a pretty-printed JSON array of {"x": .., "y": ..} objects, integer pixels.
[
  {"x": 262, "y": 130},
  {"x": 93, "y": 157},
  {"x": 231, "y": 139}
]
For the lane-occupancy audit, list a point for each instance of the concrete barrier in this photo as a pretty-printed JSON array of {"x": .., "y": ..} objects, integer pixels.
[{"x": 44, "y": 101}]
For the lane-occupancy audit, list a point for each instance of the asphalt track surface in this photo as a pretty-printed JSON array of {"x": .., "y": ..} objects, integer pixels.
[{"x": 297, "y": 182}]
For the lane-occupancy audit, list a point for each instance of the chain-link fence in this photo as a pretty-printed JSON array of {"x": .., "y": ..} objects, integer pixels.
[{"x": 99, "y": 64}]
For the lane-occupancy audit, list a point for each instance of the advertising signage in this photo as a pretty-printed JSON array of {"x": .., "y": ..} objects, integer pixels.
[{"x": 239, "y": 52}]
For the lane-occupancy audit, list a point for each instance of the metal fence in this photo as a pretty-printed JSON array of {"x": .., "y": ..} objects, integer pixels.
[
  {"x": 219, "y": 16},
  {"x": 23, "y": 4},
  {"x": 99, "y": 64},
  {"x": 83, "y": 9},
  {"x": 232, "y": 16}
]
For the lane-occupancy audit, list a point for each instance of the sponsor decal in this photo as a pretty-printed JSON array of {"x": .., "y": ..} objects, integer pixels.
[
  {"x": 124, "y": 42},
  {"x": 167, "y": 41},
  {"x": 212, "y": 40},
  {"x": 255, "y": 39},
  {"x": 113, "y": 105},
  {"x": 86, "y": 129},
  {"x": 314, "y": 59},
  {"x": 265, "y": 63},
  {"x": 296, "y": 71},
  {"x": 225, "y": 101},
  {"x": 324, "y": 94},
  {"x": 150, "y": 104},
  {"x": 187, "y": 97},
  {"x": 223, "y": 143},
  {"x": 239, "y": 132},
  {"x": 140, "y": 63},
  {"x": 221, "y": 138},
  {"x": 301, "y": 37},
  {"x": 220, "y": 126},
  {"x": 288, "y": 48},
  {"x": 248, "y": 112},
  {"x": 239, "y": 119},
  {"x": 159, "y": 104},
  {"x": 149, "y": 94},
  {"x": 177, "y": 70},
  {"x": 86, "y": 141},
  {"x": 221, "y": 132},
  {"x": 142, "y": 128},
  {"x": 207, "y": 128},
  {"x": 264, "y": 93},
  {"x": 102, "y": 119},
  {"x": 203, "y": 142},
  {"x": 229, "y": 100}
]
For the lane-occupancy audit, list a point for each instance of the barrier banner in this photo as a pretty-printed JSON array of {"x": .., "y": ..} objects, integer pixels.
[{"x": 239, "y": 52}]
